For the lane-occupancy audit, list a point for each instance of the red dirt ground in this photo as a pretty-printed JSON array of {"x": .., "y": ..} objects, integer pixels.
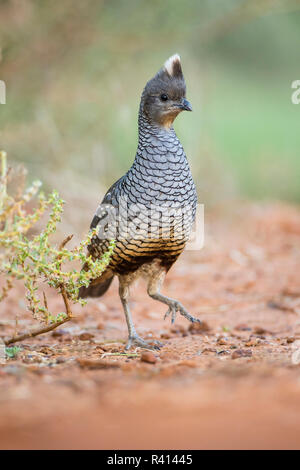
[{"x": 233, "y": 385}]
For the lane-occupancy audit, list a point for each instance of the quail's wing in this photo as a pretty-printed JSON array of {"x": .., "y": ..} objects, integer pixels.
[{"x": 105, "y": 220}]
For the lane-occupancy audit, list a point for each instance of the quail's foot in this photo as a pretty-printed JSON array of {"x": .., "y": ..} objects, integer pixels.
[
  {"x": 136, "y": 340},
  {"x": 174, "y": 307}
]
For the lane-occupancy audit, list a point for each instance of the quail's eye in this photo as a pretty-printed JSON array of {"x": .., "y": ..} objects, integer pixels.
[{"x": 164, "y": 97}]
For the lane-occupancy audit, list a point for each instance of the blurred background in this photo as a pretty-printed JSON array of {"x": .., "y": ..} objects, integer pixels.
[{"x": 74, "y": 73}]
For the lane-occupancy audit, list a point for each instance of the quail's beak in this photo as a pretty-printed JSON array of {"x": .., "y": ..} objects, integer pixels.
[{"x": 185, "y": 105}]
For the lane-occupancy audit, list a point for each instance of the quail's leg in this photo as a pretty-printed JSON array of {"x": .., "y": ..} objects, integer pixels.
[
  {"x": 174, "y": 306},
  {"x": 133, "y": 338}
]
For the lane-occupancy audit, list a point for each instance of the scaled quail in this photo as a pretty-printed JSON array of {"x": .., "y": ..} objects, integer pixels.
[{"x": 149, "y": 212}]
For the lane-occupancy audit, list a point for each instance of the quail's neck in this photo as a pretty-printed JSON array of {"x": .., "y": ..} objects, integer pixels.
[
  {"x": 160, "y": 173},
  {"x": 147, "y": 128},
  {"x": 159, "y": 149}
]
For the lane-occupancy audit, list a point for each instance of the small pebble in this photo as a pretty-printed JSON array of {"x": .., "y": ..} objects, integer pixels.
[
  {"x": 60, "y": 360},
  {"x": 243, "y": 327},
  {"x": 148, "y": 357},
  {"x": 241, "y": 353},
  {"x": 259, "y": 331},
  {"x": 196, "y": 328},
  {"x": 222, "y": 342},
  {"x": 290, "y": 340},
  {"x": 85, "y": 336}
]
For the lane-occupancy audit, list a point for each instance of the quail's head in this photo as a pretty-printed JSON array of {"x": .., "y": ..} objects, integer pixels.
[{"x": 164, "y": 95}]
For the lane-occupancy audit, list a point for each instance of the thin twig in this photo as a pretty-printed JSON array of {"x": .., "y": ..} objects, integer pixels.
[
  {"x": 120, "y": 354},
  {"x": 45, "y": 301},
  {"x": 65, "y": 241},
  {"x": 45, "y": 329},
  {"x": 16, "y": 325},
  {"x": 36, "y": 332},
  {"x": 66, "y": 301},
  {"x": 5, "y": 289}
]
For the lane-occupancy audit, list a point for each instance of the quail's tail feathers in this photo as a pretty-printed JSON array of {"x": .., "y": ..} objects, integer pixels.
[
  {"x": 95, "y": 290},
  {"x": 97, "y": 286}
]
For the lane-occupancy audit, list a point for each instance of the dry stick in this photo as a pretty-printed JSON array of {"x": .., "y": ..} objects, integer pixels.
[
  {"x": 64, "y": 242},
  {"x": 66, "y": 301},
  {"x": 44, "y": 329},
  {"x": 47, "y": 328},
  {"x": 45, "y": 301},
  {"x": 5, "y": 290},
  {"x": 37, "y": 332}
]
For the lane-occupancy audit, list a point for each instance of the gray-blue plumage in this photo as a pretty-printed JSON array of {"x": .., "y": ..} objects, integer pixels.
[{"x": 149, "y": 212}]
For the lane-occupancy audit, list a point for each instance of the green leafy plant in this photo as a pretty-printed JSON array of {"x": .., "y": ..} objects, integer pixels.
[
  {"x": 35, "y": 259},
  {"x": 12, "y": 352}
]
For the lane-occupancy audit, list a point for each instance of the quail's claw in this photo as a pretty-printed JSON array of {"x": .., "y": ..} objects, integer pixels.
[
  {"x": 141, "y": 343},
  {"x": 159, "y": 344},
  {"x": 189, "y": 317},
  {"x": 169, "y": 311},
  {"x": 175, "y": 307}
]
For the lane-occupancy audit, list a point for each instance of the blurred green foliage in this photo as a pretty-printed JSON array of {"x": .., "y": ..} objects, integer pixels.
[
  {"x": 12, "y": 352},
  {"x": 75, "y": 71}
]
